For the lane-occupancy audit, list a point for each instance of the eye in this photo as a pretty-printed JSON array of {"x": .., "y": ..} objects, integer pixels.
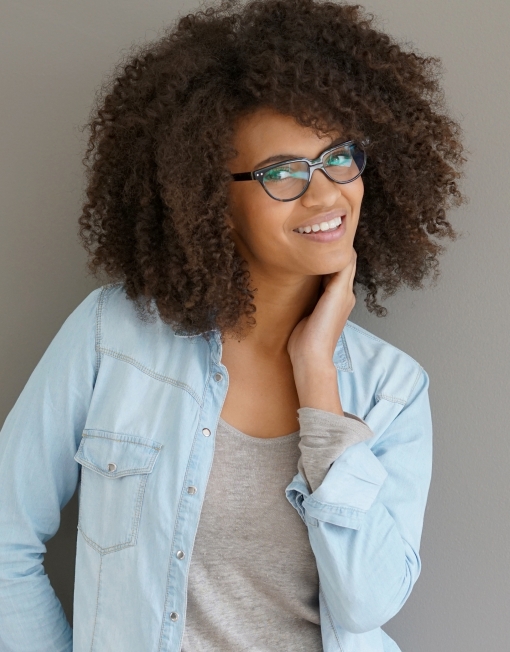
[
  {"x": 341, "y": 158},
  {"x": 279, "y": 173}
]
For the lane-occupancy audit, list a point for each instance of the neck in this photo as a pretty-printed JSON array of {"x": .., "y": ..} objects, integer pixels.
[{"x": 281, "y": 302}]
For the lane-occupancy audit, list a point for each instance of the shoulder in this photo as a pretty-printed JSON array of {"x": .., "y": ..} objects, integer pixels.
[
  {"x": 389, "y": 372},
  {"x": 129, "y": 334},
  {"x": 122, "y": 324}
]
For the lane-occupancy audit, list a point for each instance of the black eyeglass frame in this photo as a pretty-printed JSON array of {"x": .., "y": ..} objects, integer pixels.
[{"x": 313, "y": 164}]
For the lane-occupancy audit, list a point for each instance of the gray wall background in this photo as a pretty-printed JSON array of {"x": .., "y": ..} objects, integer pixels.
[{"x": 54, "y": 55}]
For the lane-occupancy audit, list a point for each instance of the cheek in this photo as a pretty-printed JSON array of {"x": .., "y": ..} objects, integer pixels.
[
  {"x": 358, "y": 191},
  {"x": 255, "y": 217},
  {"x": 353, "y": 192}
]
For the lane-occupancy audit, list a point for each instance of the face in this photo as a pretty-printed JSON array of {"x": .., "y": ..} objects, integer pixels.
[{"x": 265, "y": 230}]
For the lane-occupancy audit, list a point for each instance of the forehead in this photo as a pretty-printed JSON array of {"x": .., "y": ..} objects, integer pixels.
[{"x": 265, "y": 132}]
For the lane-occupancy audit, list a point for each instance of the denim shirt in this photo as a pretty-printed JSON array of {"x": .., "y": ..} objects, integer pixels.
[{"x": 126, "y": 411}]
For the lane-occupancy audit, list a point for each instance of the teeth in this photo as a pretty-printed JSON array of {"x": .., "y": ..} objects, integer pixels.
[{"x": 323, "y": 226}]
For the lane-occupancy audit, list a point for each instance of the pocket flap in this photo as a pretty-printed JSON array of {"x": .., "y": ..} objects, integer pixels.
[{"x": 113, "y": 454}]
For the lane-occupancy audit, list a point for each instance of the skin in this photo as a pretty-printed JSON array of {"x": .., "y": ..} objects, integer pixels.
[{"x": 285, "y": 361}]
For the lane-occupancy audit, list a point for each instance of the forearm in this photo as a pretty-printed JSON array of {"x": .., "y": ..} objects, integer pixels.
[
  {"x": 31, "y": 616},
  {"x": 368, "y": 574},
  {"x": 365, "y": 518},
  {"x": 38, "y": 476},
  {"x": 367, "y": 556},
  {"x": 324, "y": 437}
]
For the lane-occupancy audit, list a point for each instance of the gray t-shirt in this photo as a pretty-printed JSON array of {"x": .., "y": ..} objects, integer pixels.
[{"x": 253, "y": 581}]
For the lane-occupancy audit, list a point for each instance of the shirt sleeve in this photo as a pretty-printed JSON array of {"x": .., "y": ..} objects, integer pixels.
[
  {"x": 38, "y": 476},
  {"x": 324, "y": 436},
  {"x": 366, "y": 517}
]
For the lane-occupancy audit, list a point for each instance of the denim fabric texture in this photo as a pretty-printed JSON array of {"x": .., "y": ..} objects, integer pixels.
[{"x": 125, "y": 412}]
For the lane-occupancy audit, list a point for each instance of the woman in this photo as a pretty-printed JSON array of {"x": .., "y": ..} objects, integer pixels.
[{"x": 253, "y": 468}]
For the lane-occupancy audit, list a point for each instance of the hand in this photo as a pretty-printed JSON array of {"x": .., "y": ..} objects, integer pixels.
[{"x": 314, "y": 339}]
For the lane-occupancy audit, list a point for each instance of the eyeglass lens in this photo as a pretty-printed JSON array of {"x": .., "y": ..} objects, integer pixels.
[{"x": 287, "y": 181}]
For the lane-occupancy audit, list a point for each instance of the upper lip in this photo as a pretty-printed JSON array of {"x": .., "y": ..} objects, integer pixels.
[{"x": 323, "y": 217}]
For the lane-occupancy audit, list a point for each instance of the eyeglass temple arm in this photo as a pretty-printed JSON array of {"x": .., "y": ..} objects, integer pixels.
[{"x": 242, "y": 176}]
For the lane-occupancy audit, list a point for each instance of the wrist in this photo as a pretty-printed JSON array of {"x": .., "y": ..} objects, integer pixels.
[{"x": 317, "y": 386}]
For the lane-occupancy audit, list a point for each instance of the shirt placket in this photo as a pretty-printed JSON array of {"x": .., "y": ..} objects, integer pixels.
[{"x": 192, "y": 498}]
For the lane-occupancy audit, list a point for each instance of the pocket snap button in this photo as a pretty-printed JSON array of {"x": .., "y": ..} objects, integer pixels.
[{"x": 112, "y": 467}]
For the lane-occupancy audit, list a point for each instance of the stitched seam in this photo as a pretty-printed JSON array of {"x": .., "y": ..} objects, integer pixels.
[
  {"x": 206, "y": 384},
  {"x": 98, "y": 330},
  {"x": 396, "y": 399},
  {"x": 346, "y": 351},
  {"x": 138, "y": 509},
  {"x": 391, "y": 399},
  {"x": 209, "y": 377},
  {"x": 143, "y": 470},
  {"x": 330, "y": 618},
  {"x": 165, "y": 608},
  {"x": 99, "y": 314},
  {"x": 93, "y": 544},
  {"x": 153, "y": 374},
  {"x": 336, "y": 509},
  {"x": 104, "y": 551},
  {"x": 171, "y": 556},
  {"x": 179, "y": 506},
  {"x": 97, "y": 604},
  {"x": 123, "y": 441},
  {"x": 186, "y": 577}
]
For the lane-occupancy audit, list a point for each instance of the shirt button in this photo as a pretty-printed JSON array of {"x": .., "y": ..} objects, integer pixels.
[
  {"x": 180, "y": 554},
  {"x": 192, "y": 490},
  {"x": 112, "y": 467},
  {"x": 206, "y": 432},
  {"x": 174, "y": 616},
  {"x": 218, "y": 377}
]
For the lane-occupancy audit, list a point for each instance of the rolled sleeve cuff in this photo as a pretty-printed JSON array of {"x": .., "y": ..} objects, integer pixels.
[{"x": 346, "y": 493}]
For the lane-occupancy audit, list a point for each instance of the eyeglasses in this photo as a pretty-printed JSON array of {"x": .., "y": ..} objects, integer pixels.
[{"x": 288, "y": 180}]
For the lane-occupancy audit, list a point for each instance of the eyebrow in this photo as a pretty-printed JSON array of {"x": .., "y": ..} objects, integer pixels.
[{"x": 285, "y": 157}]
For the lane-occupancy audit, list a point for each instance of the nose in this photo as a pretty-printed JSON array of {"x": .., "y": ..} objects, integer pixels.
[{"x": 321, "y": 190}]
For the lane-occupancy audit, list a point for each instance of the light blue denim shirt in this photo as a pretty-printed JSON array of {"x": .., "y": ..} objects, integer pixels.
[{"x": 126, "y": 411}]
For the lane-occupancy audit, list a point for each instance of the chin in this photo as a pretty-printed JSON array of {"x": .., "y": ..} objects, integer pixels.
[{"x": 332, "y": 266}]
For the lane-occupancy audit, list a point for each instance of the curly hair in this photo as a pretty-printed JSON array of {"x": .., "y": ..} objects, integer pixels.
[{"x": 156, "y": 220}]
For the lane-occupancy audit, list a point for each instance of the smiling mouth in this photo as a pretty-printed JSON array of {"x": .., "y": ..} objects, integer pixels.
[{"x": 321, "y": 227}]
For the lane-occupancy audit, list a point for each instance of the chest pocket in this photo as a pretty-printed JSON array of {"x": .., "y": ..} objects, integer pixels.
[{"x": 114, "y": 474}]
